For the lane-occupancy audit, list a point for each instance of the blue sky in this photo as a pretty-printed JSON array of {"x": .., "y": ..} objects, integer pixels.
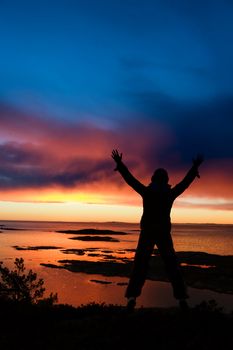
[{"x": 72, "y": 56}]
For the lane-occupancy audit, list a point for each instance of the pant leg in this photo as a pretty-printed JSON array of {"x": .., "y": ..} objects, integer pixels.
[
  {"x": 140, "y": 265},
  {"x": 167, "y": 252}
]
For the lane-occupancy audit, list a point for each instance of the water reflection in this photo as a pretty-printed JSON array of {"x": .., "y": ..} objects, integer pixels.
[
  {"x": 41, "y": 244},
  {"x": 84, "y": 290}
]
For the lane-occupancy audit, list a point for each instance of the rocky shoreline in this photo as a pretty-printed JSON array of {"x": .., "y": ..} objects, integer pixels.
[{"x": 201, "y": 270}]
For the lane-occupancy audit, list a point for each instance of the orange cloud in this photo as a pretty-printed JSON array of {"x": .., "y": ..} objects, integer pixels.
[{"x": 46, "y": 162}]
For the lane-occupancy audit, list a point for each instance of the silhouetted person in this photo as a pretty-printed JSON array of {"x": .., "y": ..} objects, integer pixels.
[{"x": 158, "y": 198}]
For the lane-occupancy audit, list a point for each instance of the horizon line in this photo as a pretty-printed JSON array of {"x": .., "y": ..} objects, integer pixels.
[{"x": 113, "y": 222}]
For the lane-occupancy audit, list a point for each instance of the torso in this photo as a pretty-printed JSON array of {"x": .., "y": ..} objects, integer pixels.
[{"x": 157, "y": 206}]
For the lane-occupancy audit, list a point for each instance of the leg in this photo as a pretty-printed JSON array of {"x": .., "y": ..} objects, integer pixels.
[
  {"x": 167, "y": 252},
  {"x": 140, "y": 266}
]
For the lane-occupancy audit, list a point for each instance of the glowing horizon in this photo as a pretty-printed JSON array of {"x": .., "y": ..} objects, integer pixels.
[
  {"x": 185, "y": 211},
  {"x": 103, "y": 213}
]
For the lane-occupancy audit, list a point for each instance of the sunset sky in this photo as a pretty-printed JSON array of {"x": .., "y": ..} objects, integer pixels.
[{"x": 79, "y": 78}]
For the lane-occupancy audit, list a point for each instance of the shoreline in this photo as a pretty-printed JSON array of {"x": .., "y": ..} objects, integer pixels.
[{"x": 201, "y": 270}]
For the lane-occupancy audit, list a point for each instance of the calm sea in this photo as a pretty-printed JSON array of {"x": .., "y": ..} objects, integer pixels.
[{"x": 79, "y": 288}]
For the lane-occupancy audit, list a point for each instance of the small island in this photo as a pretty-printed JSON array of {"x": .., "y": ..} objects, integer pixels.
[
  {"x": 95, "y": 238},
  {"x": 92, "y": 231},
  {"x": 39, "y": 247}
]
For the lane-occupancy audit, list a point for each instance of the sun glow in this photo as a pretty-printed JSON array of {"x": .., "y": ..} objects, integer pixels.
[
  {"x": 80, "y": 197},
  {"x": 83, "y": 211},
  {"x": 53, "y": 196},
  {"x": 104, "y": 204}
]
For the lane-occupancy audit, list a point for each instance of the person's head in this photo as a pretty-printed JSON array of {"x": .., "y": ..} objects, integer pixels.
[{"x": 160, "y": 177}]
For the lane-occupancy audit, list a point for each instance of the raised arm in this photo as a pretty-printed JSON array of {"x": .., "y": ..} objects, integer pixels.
[
  {"x": 189, "y": 177},
  {"x": 126, "y": 174}
]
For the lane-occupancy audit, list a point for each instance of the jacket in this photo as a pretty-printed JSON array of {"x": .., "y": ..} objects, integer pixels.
[{"x": 157, "y": 200}]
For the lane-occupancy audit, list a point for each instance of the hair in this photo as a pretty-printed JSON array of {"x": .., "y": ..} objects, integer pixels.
[{"x": 160, "y": 176}]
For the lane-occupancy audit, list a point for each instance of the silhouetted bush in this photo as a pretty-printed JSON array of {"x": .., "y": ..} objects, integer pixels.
[{"x": 21, "y": 286}]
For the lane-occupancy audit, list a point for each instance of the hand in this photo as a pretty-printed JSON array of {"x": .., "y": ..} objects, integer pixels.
[
  {"x": 198, "y": 159},
  {"x": 116, "y": 156}
]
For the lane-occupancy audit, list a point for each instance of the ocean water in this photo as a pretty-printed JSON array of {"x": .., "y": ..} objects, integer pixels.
[{"x": 80, "y": 288}]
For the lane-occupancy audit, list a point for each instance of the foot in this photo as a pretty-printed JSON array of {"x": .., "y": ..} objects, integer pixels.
[{"x": 131, "y": 303}]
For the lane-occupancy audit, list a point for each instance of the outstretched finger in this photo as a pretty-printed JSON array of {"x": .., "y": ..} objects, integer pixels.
[{"x": 114, "y": 153}]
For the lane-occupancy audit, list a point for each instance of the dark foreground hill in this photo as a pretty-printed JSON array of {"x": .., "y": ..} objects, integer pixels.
[{"x": 103, "y": 327}]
